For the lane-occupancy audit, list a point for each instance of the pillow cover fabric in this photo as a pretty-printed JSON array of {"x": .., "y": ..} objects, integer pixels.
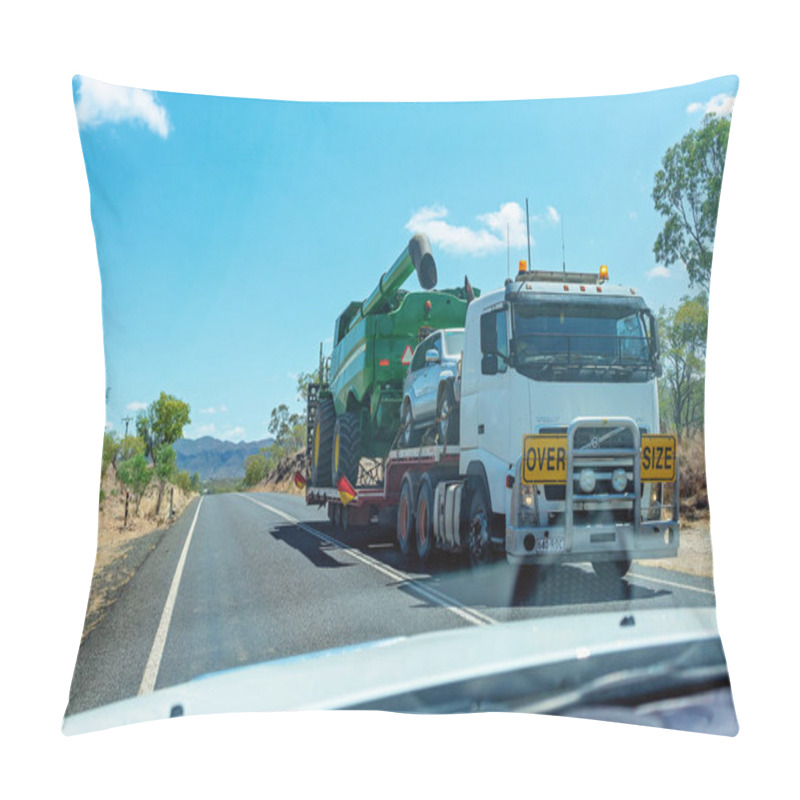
[{"x": 248, "y": 251}]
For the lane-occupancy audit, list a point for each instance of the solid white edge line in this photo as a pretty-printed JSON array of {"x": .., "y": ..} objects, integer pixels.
[
  {"x": 444, "y": 601},
  {"x": 154, "y": 661},
  {"x": 670, "y": 583}
]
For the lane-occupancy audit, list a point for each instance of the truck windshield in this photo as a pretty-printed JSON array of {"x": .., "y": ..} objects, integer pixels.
[{"x": 559, "y": 339}]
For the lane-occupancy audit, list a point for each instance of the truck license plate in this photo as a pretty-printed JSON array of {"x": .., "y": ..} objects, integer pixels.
[{"x": 551, "y": 545}]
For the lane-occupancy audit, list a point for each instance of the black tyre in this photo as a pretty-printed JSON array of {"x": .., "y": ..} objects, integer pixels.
[
  {"x": 346, "y": 448},
  {"x": 409, "y": 437},
  {"x": 611, "y": 571},
  {"x": 424, "y": 522},
  {"x": 406, "y": 515},
  {"x": 479, "y": 531},
  {"x": 447, "y": 415},
  {"x": 336, "y": 514},
  {"x": 323, "y": 444}
]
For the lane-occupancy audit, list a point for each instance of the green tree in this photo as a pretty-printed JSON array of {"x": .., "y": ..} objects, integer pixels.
[
  {"x": 683, "y": 355},
  {"x": 110, "y": 451},
  {"x": 255, "y": 468},
  {"x": 162, "y": 423},
  {"x": 287, "y": 428},
  {"x": 136, "y": 475},
  {"x": 686, "y": 193},
  {"x": 164, "y": 469},
  {"x": 131, "y": 446}
]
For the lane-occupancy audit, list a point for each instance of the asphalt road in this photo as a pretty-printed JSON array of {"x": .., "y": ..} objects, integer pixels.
[{"x": 245, "y": 578}]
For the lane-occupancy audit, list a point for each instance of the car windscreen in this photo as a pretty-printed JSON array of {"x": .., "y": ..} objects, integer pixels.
[
  {"x": 582, "y": 339},
  {"x": 454, "y": 342}
]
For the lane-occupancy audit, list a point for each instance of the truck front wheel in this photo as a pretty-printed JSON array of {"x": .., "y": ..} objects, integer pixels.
[
  {"x": 611, "y": 571},
  {"x": 405, "y": 515},
  {"x": 479, "y": 531}
]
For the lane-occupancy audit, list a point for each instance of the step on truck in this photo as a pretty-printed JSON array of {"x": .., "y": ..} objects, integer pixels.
[{"x": 558, "y": 457}]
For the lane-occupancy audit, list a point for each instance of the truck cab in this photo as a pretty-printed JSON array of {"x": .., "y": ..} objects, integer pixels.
[{"x": 558, "y": 397}]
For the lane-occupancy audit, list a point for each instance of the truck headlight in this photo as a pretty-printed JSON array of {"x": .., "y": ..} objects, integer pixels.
[
  {"x": 527, "y": 505},
  {"x": 587, "y": 480},
  {"x": 619, "y": 480}
]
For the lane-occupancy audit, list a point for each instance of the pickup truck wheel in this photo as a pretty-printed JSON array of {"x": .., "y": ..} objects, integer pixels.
[
  {"x": 323, "y": 444},
  {"x": 447, "y": 416},
  {"x": 409, "y": 436},
  {"x": 479, "y": 532},
  {"x": 406, "y": 516},
  {"x": 611, "y": 571},
  {"x": 424, "y": 522},
  {"x": 346, "y": 448}
]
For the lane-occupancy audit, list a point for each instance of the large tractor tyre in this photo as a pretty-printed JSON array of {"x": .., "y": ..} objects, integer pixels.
[
  {"x": 447, "y": 415},
  {"x": 406, "y": 515},
  {"x": 346, "y": 448},
  {"x": 323, "y": 444},
  {"x": 479, "y": 528},
  {"x": 424, "y": 521}
]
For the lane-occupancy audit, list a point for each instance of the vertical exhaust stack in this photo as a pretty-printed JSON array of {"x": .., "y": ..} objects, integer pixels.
[{"x": 416, "y": 256}]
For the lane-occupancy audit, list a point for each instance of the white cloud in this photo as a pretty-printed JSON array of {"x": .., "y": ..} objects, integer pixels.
[
  {"x": 720, "y": 106},
  {"x": 109, "y": 426},
  {"x": 136, "y": 405},
  {"x": 659, "y": 272},
  {"x": 508, "y": 221},
  {"x": 506, "y": 226},
  {"x": 100, "y": 102},
  {"x": 204, "y": 430},
  {"x": 214, "y": 409},
  {"x": 233, "y": 434}
]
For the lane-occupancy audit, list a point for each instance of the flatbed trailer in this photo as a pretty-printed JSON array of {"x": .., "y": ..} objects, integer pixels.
[{"x": 377, "y": 498}]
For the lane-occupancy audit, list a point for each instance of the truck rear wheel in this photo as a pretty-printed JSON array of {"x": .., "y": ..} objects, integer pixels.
[
  {"x": 406, "y": 517},
  {"x": 323, "y": 444},
  {"x": 346, "y": 448},
  {"x": 424, "y": 521}
]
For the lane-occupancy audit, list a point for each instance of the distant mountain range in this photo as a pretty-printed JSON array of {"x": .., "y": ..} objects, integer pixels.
[{"x": 213, "y": 458}]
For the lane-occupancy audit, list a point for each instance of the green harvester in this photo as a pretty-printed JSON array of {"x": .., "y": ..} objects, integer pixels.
[{"x": 357, "y": 413}]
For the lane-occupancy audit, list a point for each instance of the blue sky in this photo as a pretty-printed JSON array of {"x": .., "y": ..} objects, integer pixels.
[{"x": 232, "y": 232}]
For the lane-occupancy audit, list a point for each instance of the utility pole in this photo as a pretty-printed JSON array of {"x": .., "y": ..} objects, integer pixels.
[{"x": 126, "y": 420}]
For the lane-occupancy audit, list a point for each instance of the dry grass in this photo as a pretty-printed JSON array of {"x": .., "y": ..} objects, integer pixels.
[{"x": 122, "y": 548}]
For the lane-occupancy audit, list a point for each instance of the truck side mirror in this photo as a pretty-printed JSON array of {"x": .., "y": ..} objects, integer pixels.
[{"x": 489, "y": 364}]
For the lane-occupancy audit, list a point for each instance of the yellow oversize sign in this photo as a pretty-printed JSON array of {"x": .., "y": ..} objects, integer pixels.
[
  {"x": 544, "y": 458},
  {"x": 659, "y": 457}
]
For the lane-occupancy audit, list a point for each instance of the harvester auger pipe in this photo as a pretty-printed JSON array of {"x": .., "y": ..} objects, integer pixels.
[{"x": 416, "y": 256}]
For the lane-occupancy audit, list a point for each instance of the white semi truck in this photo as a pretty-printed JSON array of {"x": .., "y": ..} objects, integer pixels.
[{"x": 559, "y": 456}]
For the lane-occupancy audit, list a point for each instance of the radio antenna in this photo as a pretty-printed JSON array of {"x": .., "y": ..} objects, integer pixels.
[
  {"x": 508, "y": 251},
  {"x": 528, "y": 223}
]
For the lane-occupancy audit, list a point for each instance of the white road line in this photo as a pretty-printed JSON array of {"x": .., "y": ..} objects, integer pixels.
[
  {"x": 670, "y": 583},
  {"x": 471, "y": 615},
  {"x": 154, "y": 661}
]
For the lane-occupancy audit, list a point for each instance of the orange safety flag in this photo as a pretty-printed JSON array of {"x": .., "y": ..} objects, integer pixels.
[
  {"x": 299, "y": 480},
  {"x": 346, "y": 491}
]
